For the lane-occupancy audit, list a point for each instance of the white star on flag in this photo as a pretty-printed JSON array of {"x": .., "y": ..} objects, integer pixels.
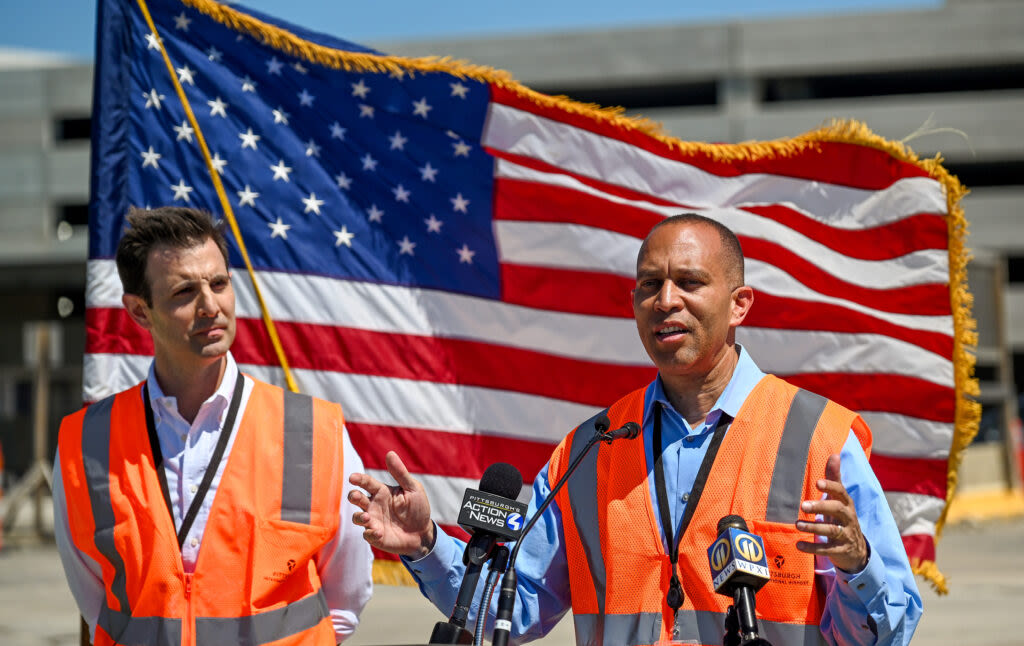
[
  {"x": 458, "y": 89},
  {"x": 343, "y": 180},
  {"x": 181, "y": 190},
  {"x": 369, "y": 163},
  {"x": 360, "y": 89},
  {"x": 185, "y": 75},
  {"x": 182, "y": 21},
  {"x": 422, "y": 107},
  {"x": 462, "y": 149},
  {"x": 406, "y": 246},
  {"x": 312, "y": 204},
  {"x": 306, "y": 99},
  {"x": 465, "y": 254},
  {"x": 433, "y": 224},
  {"x": 375, "y": 214},
  {"x": 459, "y": 203},
  {"x": 337, "y": 132},
  {"x": 248, "y": 85},
  {"x": 281, "y": 171},
  {"x": 184, "y": 132},
  {"x": 217, "y": 107},
  {"x": 343, "y": 237},
  {"x": 274, "y": 66},
  {"x": 365, "y": 110},
  {"x": 299, "y": 67},
  {"x": 214, "y": 54},
  {"x": 398, "y": 141},
  {"x": 153, "y": 99},
  {"x": 428, "y": 172},
  {"x": 218, "y": 163},
  {"x": 151, "y": 158},
  {"x": 401, "y": 194},
  {"x": 279, "y": 229},
  {"x": 249, "y": 139},
  {"x": 152, "y": 42},
  {"x": 280, "y": 116},
  {"x": 247, "y": 197},
  {"x": 312, "y": 149}
]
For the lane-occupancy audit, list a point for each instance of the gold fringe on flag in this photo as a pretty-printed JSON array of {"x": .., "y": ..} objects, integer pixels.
[{"x": 968, "y": 411}]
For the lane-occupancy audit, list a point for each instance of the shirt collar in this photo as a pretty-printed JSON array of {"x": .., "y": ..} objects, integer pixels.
[
  {"x": 164, "y": 404},
  {"x": 745, "y": 376}
]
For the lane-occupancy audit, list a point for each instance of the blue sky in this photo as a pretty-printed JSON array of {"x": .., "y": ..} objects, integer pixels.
[{"x": 67, "y": 26}]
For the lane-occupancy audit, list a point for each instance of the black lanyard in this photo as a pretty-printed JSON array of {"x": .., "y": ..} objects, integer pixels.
[
  {"x": 218, "y": 454},
  {"x": 674, "y": 598}
]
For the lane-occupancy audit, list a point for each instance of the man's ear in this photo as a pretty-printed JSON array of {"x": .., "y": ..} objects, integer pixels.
[
  {"x": 742, "y": 299},
  {"x": 137, "y": 309}
]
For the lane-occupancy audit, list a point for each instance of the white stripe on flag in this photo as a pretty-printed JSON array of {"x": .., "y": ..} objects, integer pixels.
[
  {"x": 903, "y": 436},
  {"x": 786, "y": 352},
  {"x": 915, "y": 513}
]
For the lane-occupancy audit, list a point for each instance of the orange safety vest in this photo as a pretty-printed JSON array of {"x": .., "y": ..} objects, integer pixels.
[
  {"x": 769, "y": 461},
  {"x": 277, "y": 504}
]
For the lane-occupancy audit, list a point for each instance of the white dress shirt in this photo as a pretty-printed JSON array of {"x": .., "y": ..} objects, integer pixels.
[{"x": 344, "y": 563}]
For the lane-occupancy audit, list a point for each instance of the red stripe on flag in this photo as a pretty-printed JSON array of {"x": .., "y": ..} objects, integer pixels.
[
  {"x": 531, "y": 201},
  {"x": 461, "y": 455},
  {"x": 911, "y": 475},
  {"x": 882, "y": 393},
  {"x": 567, "y": 290},
  {"x": 832, "y": 162},
  {"x": 401, "y": 356},
  {"x": 926, "y": 300},
  {"x": 892, "y": 240},
  {"x": 778, "y": 312},
  {"x": 920, "y": 547}
]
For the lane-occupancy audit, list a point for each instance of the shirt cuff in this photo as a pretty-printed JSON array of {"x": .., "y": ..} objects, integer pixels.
[
  {"x": 866, "y": 584},
  {"x": 437, "y": 564}
]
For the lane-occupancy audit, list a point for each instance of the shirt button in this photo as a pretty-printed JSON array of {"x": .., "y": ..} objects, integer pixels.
[
  {"x": 686, "y": 496},
  {"x": 193, "y": 488},
  {"x": 194, "y": 542}
]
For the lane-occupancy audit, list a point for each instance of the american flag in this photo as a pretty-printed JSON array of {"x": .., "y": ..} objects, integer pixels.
[{"x": 449, "y": 254}]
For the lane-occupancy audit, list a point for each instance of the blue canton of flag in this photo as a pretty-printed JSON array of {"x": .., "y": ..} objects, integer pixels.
[{"x": 365, "y": 176}]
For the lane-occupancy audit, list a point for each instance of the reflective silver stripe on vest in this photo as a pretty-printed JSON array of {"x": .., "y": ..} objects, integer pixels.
[
  {"x": 627, "y": 630},
  {"x": 264, "y": 627},
  {"x": 583, "y": 501},
  {"x": 702, "y": 627},
  {"x": 140, "y": 631},
  {"x": 787, "y": 486},
  {"x": 119, "y": 624},
  {"x": 297, "y": 482}
]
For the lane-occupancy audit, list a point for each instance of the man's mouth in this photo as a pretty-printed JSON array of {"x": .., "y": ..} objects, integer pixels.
[{"x": 670, "y": 332}]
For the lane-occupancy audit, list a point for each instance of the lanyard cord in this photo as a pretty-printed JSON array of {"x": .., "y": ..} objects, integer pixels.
[
  {"x": 218, "y": 454},
  {"x": 675, "y": 596}
]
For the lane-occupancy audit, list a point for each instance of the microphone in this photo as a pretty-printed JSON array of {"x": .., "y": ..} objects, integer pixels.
[
  {"x": 507, "y": 594},
  {"x": 491, "y": 514},
  {"x": 739, "y": 568}
]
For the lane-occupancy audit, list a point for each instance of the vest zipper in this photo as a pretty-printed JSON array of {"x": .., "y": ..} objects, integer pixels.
[{"x": 189, "y": 620}]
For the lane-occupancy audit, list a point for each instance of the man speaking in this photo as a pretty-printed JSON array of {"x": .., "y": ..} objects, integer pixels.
[
  {"x": 203, "y": 506},
  {"x": 625, "y": 544}
]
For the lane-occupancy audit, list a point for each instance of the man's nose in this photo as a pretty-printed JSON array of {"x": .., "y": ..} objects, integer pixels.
[
  {"x": 668, "y": 296},
  {"x": 207, "y": 305}
]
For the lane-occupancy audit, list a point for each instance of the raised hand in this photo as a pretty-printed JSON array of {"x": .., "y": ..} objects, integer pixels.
[
  {"x": 846, "y": 546},
  {"x": 395, "y": 519}
]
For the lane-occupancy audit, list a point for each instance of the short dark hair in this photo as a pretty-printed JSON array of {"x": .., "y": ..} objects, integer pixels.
[
  {"x": 730, "y": 243},
  {"x": 175, "y": 226}
]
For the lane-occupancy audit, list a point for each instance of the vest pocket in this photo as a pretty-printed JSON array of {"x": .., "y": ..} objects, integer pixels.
[{"x": 283, "y": 560}]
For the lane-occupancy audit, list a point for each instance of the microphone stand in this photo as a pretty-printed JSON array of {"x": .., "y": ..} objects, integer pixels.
[{"x": 507, "y": 595}]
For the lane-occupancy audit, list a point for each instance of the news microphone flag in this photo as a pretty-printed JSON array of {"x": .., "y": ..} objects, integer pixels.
[{"x": 449, "y": 254}]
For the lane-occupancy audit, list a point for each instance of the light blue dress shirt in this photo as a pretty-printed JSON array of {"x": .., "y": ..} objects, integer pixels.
[{"x": 884, "y": 592}]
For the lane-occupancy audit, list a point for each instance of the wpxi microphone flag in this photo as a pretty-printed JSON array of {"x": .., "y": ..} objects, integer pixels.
[{"x": 449, "y": 254}]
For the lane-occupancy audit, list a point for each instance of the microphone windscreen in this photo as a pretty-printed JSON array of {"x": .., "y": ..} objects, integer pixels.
[
  {"x": 732, "y": 520},
  {"x": 502, "y": 479},
  {"x": 602, "y": 423}
]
